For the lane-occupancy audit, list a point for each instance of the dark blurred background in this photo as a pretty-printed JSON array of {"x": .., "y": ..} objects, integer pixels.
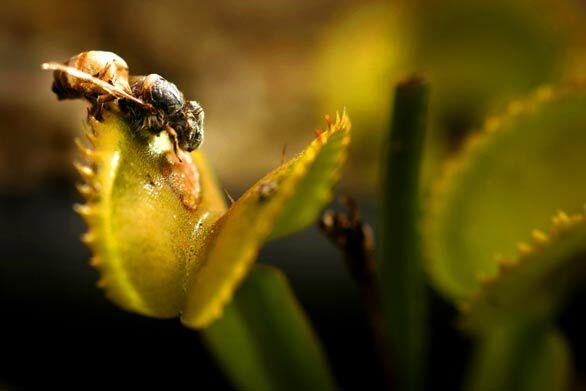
[{"x": 266, "y": 72}]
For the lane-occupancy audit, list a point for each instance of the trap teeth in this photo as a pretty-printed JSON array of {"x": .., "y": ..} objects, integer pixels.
[
  {"x": 83, "y": 149},
  {"x": 88, "y": 238},
  {"x": 561, "y": 218},
  {"x": 539, "y": 237},
  {"x": 91, "y": 138},
  {"x": 85, "y": 190},
  {"x": 95, "y": 261},
  {"x": 524, "y": 248},
  {"x": 85, "y": 171},
  {"x": 101, "y": 283},
  {"x": 83, "y": 210},
  {"x": 491, "y": 124}
]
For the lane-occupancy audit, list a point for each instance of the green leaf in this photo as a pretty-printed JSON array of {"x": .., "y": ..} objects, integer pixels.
[
  {"x": 155, "y": 217},
  {"x": 504, "y": 184},
  {"x": 248, "y": 223},
  {"x": 525, "y": 355},
  {"x": 534, "y": 283},
  {"x": 147, "y": 218},
  {"x": 402, "y": 281},
  {"x": 231, "y": 342},
  {"x": 314, "y": 191},
  {"x": 263, "y": 340}
]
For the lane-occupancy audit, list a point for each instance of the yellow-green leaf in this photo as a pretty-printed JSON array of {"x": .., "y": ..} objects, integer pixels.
[
  {"x": 158, "y": 224},
  {"x": 250, "y": 220},
  {"x": 147, "y": 225},
  {"x": 532, "y": 284},
  {"x": 314, "y": 190},
  {"x": 506, "y": 182}
]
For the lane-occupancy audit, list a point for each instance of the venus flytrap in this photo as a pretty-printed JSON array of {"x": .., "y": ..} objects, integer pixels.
[
  {"x": 491, "y": 245},
  {"x": 509, "y": 180},
  {"x": 167, "y": 245},
  {"x": 162, "y": 236},
  {"x": 165, "y": 242},
  {"x": 535, "y": 282},
  {"x": 148, "y": 215}
]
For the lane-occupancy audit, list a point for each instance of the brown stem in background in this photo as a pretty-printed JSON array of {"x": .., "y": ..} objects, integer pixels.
[{"x": 356, "y": 241}]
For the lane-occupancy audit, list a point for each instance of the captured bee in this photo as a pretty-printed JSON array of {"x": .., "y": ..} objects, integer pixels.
[
  {"x": 182, "y": 119},
  {"x": 152, "y": 103},
  {"x": 94, "y": 75}
]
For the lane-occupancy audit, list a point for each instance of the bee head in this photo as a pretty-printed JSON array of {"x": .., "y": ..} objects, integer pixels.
[{"x": 190, "y": 129}]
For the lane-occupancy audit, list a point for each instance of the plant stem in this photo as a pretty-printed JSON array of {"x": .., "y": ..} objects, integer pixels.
[
  {"x": 355, "y": 239},
  {"x": 264, "y": 340},
  {"x": 402, "y": 281}
]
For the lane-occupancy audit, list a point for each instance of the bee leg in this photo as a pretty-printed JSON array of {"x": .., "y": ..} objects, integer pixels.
[
  {"x": 104, "y": 98},
  {"x": 174, "y": 137},
  {"x": 96, "y": 111},
  {"x": 100, "y": 105}
]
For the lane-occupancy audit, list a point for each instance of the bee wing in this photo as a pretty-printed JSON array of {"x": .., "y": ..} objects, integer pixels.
[{"x": 110, "y": 89}]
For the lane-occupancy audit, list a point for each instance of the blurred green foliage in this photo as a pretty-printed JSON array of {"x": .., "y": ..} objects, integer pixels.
[
  {"x": 508, "y": 181},
  {"x": 490, "y": 247},
  {"x": 477, "y": 55},
  {"x": 264, "y": 342}
]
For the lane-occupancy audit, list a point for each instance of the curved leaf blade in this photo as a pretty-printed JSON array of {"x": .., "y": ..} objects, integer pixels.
[
  {"x": 505, "y": 183},
  {"x": 534, "y": 283},
  {"x": 314, "y": 191},
  {"x": 145, "y": 230},
  {"x": 249, "y": 222}
]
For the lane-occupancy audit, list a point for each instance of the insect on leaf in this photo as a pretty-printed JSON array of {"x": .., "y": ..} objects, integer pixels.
[{"x": 148, "y": 218}]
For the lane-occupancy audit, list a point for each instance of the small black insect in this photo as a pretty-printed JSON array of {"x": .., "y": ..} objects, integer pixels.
[{"x": 266, "y": 190}]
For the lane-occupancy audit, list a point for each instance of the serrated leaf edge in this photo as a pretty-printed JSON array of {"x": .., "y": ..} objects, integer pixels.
[
  {"x": 457, "y": 165},
  {"x": 562, "y": 224}
]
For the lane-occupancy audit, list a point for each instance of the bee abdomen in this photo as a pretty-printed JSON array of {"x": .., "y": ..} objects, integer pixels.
[{"x": 106, "y": 66}]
